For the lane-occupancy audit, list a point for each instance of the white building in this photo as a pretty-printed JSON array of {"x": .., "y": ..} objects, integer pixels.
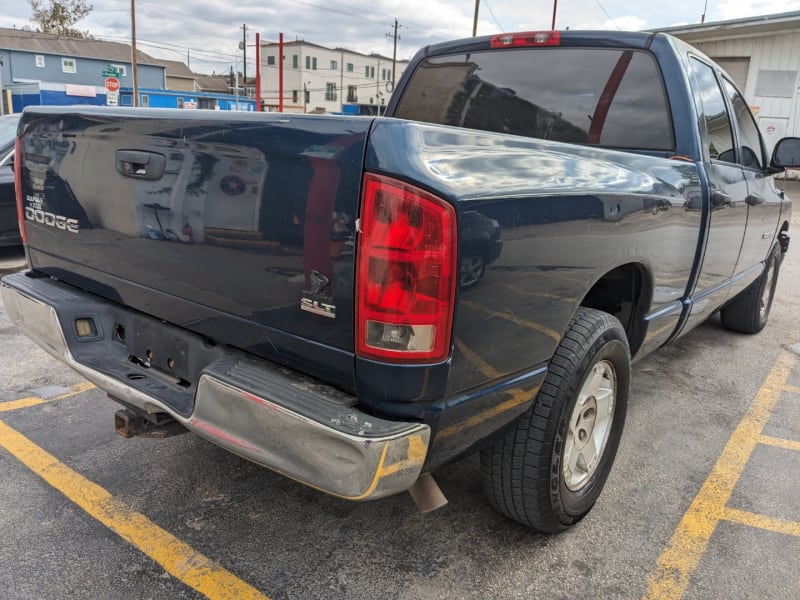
[
  {"x": 762, "y": 55},
  {"x": 319, "y": 79}
]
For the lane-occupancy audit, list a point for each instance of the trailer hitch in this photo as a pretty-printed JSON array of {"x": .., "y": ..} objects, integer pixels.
[{"x": 130, "y": 424}]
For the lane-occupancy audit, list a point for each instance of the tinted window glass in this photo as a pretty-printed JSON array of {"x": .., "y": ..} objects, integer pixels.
[
  {"x": 720, "y": 134},
  {"x": 606, "y": 97},
  {"x": 750, "y": 148}
]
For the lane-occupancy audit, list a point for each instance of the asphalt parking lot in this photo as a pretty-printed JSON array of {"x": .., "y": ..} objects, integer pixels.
[{"x": 703, "y": 501}]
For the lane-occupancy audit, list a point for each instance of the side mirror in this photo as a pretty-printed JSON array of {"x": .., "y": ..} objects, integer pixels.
[{"x": 786, "y": 153}]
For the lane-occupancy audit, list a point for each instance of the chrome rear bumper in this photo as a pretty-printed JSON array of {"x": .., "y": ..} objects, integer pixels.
[{"x": 272, "y": 416}]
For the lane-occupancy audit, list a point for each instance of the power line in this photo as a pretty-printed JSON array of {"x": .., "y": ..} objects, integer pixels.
[
  {"x": 491, "y": 12},
  {"x": 608, "y": 15}
]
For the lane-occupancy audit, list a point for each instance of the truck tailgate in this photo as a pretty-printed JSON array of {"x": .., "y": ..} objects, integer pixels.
[{"x": 238, "y": 227}]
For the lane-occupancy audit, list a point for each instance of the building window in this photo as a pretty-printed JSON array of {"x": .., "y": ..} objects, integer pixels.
[
  {"x": 121, "y": 70},
  {"x": 352, "y": 93},
  {"x": 270, "y": 60},
  {"x": 307, "y": 96},
  {"x": 330, "y": 92},
  {"x": 334, "y": 65},
  {"x": 372, "y": 72},
  {"x": 366, "y": 71},
  {"x": 313, "y": 63},
  {"x": 40, "y": 60},
  {"x": 68, "y": 65},
  {"x": 295, "y": 96},
  {"x": 349, "y": 67},
  {"x": 180, "y": 102},
  {"x": 295, "y": 61},
  {"x": 145, "y": 103},
  {"x": 308, "y": 62}
]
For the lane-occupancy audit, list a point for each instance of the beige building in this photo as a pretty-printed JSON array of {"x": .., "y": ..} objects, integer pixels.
[
  {"x": 762, "y": 55},
  {"x": 319, "y": 79}
]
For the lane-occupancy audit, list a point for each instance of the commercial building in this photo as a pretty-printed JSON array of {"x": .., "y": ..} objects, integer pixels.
[
  {"x": 41, "y": 68},
  {"x": 319, "y": 79},
  {"x": 45, "y": 69},
  {"x": 762, "y": 55}
]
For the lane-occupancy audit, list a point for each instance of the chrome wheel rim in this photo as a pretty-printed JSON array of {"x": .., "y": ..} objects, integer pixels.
[
  {"x": 589, "y": 425},
  {"x": 766, "y": 295}
]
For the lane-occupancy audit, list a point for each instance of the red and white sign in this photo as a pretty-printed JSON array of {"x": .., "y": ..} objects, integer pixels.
[{"x": 112, "y": 84}]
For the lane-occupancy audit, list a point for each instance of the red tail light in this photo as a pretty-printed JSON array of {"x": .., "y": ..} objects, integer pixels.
[
  {"x": 526, "y": 39},
  {"x": 405, "y": 284},
  {"x": 18, "y": 188}
]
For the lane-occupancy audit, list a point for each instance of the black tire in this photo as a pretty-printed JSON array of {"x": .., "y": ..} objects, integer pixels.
[
  {"x": 524, "y": 475},
  {"x": 749, "y": 311}
]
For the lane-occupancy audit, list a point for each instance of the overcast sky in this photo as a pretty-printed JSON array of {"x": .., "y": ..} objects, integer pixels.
[{"x": 211, "y": 29}]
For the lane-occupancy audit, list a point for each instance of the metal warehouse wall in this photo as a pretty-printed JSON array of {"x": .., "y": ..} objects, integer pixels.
[{"x": 771, "y": 87}]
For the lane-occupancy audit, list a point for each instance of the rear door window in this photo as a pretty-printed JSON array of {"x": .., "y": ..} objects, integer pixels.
[{"x": 596, "y": 96}]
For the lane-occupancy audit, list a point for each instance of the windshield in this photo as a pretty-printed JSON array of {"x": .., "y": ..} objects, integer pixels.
[{"x": 596, "y": 96}]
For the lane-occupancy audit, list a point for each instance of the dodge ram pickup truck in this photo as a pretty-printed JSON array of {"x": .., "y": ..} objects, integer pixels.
[{"x": 354, "y": 301}]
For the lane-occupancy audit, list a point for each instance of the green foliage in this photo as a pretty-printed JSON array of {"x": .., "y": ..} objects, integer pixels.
[{"x": 59, "y": 16}]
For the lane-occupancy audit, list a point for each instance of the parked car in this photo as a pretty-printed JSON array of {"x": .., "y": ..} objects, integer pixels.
[{"x": 9, "y": 228}]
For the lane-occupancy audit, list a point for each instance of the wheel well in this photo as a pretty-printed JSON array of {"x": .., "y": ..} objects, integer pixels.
[{"x": 624, "y": 293}]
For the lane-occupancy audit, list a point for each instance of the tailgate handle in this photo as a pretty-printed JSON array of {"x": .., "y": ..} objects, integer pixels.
[{"x": 141, "y": 164}]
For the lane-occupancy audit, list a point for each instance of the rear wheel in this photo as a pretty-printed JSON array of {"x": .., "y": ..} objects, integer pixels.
[
  {"x": 548, "y": 472},
  {"x": 749, "y": 311}
]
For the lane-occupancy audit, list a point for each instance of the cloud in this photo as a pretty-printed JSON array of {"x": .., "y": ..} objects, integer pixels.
[{"x": 738, "y": 9}]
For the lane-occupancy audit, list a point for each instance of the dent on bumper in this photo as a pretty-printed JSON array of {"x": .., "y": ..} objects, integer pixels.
[{"x": 345, "y": 452}]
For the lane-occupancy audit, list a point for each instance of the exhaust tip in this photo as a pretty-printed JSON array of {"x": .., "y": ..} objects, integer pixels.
[{"x": 427, "y": 494}]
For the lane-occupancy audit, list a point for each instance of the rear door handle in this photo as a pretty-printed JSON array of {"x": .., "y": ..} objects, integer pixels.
[
  {"x": 720, "y": 199},
  {"x": 141, "y": 164},
  {"x": 754, "y": 199}
]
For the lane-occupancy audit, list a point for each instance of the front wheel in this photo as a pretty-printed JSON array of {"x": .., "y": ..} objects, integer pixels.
[{"x": 548, "y": 472}]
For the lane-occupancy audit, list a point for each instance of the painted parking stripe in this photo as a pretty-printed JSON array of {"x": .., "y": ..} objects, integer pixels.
[
  {"x": 768, "y": 440},
  {"x": 176, "y": 557},
  {"x": 36, "y": 400},
  {"x": 680, "y": 558},
  {"x": 743, "y": 517}
]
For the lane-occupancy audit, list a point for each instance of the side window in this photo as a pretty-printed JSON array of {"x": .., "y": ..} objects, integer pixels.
[
  {"x": 750, "y": 149},
  {"x": 720, "y": 133}
]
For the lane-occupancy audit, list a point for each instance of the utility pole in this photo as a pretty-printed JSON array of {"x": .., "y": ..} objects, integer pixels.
[
  {"x": 134, "y": 64},
  {"x": 394, "y": 52},
  {"x": 475, "y": 20},
  {"x": 244, "y": 56},
  {"x": 555, "y": 6}
]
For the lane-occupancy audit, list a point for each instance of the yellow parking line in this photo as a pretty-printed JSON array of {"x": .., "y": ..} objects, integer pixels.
[
  {"x": 35, "y": 400},
  {"x": 762, "y": 522},
  {"x": 176, "y": 557},
  {"x": 683, "y": 553},
  {"x": 779, "y": 442}
]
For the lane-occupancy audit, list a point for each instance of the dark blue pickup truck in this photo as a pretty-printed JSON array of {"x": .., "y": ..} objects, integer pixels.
[{"x": 354, "y": 301}]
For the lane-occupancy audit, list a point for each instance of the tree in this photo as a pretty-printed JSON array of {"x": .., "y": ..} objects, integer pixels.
[{"x": 59, "y": 16}]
